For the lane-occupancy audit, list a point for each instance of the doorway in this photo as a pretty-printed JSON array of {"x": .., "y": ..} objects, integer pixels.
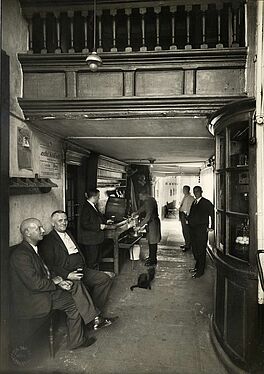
[{"x": 72, "y": 201}]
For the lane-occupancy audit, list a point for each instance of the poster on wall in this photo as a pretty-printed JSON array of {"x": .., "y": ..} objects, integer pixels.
[
  {"x": 24, "y": 148},
  {"x": 50, "y": 161}
]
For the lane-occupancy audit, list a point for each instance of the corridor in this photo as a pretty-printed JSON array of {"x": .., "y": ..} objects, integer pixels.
[{"x": 162, "y": 330}]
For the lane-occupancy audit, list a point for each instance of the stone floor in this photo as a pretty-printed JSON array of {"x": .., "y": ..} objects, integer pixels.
[{"x": 162, "y": 330}]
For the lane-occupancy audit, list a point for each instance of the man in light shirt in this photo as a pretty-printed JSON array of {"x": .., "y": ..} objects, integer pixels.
[
  {"x": 184, "y": 211},
  {"x": 62, "y": 254}
]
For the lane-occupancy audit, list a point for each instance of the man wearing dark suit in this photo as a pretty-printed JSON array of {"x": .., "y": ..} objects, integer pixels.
[
  {"x": 152, "y": 222},
  {"x": 62, "y": 254},
  {"x": 35, "y": 292},
  {"x": 198, "y": 221},
  {"x": 91, "y": 226}
]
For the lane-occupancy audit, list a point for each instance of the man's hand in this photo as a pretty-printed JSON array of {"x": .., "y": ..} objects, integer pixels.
[
  {"x": 57, "y": 279},
  {"x": 75, "y": 275},
  {"x": 134, "y": 215},
  {"x": 65, "y": 285},
  {"x": 102, "y": 226}
]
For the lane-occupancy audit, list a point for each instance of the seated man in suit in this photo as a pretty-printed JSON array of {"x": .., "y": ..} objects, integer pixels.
[
  {"x": 62, "y": 254},
  {"x": 35, "y": 292},
  {"x": 91, "y": 226}
]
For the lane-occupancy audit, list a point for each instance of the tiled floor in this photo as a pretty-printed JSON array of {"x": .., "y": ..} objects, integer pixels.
[{"x": 162, "y": 330}]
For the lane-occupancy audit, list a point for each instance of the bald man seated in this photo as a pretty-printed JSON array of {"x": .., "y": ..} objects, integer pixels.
[
  {"x": 36, "y": 292},
  {"x": 61, "y": 253}
]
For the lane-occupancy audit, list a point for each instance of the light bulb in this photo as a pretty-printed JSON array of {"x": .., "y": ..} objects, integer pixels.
[{"x": 93, "y": 66}]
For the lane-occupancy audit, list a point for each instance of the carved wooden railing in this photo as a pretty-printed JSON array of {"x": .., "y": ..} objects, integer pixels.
[{"x": 135, "y": 26}]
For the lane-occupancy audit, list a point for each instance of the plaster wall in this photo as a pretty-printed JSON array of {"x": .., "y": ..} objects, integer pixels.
[{"x": 15, "y": 39}]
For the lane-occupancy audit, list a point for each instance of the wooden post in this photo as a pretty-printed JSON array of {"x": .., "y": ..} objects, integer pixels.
[
  {"x": 58, "y": 36},
  {"x": 143, "y": 11},
  {"x": 234, "y": 25},
  {"x": 43, "y": 16},
  {"x": 204, "y": 8},
  {"x": 113, "y": 13},
  {"x": 85, "y": 25},
  {"x": 157, "y": 11},
  {"x": 100, "y": 46},
  {"x": 173, "y": 11},
  {"x": 30, "y": 34},
  {"x": 71, "y": 17},
  {"x": 128, "y": 12},
  {"x": 188, "y": 8},
  {"x": 219, "y": 44}
]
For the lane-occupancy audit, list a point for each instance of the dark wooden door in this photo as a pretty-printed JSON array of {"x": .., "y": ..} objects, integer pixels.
[{"x": 72, "y": 201}]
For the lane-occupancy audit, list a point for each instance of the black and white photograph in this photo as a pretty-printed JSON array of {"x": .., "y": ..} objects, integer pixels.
[{"x": 132, "y": 187}]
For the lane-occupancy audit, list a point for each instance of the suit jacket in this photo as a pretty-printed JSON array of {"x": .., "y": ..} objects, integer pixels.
[
  {"x": 55, "y": 254},
  {"x": 89, "y": 225},
  {"x": 31, "y": 288},
  {"x": 199, "y": 213},
  {"x": 152, "y": 220}
]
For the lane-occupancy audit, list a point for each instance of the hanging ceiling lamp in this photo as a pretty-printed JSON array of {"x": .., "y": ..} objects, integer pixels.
[{"x": 93, "y": 60}]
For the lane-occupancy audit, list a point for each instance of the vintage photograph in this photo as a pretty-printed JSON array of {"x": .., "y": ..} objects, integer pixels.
[{"x": 132, "y": 187}]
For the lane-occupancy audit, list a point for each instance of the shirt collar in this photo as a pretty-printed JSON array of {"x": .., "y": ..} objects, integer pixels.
[
  {"x": 198, "y": 199},
  {"x": 93, "y": 205},
  {"x": 61, "y": 234},
  {"x": 35, "y": 248}
]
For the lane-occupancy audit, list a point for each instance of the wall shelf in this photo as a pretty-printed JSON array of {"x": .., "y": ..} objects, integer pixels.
[{"x": 24, "y": 186}]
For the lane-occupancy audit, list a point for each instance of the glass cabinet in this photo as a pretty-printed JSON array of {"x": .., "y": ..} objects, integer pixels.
[
  {"x": 232, "y": 198},
  {"x": 236, "y": 321}
]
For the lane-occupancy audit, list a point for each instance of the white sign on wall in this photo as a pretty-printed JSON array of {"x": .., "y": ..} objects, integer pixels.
[{"x": 50, "y": 162}]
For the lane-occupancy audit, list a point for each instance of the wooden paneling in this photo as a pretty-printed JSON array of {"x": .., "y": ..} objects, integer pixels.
[
  {"x": 44, "y": 85},
  {"x": 100, "y": 84},
  {"x": 220, "y": 81},
  {"x": 236, "y": 317},
  {"x": 219, "y": 311},
  {"x": 160, "y": 83}
]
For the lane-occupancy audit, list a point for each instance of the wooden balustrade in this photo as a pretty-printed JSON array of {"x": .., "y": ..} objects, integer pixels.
[{"x": 156, "y": 28}]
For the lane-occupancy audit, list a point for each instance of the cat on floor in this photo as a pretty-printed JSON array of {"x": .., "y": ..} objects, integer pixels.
[{"x": 144, "y": 279}]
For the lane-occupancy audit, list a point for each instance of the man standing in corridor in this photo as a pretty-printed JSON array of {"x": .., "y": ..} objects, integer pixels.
[
  {"x": 184, "y": 211},
  {"x": 198, "y": 220}
]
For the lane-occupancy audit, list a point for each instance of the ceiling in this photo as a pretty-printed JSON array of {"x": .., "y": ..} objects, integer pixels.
[{"x": 168, "y": 141}]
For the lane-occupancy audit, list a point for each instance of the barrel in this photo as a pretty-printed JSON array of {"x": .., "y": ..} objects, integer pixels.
[{"x": 115, "y": 208}]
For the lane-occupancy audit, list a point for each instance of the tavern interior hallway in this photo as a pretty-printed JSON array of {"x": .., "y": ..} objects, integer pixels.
[{"x": 163, "y": 330}]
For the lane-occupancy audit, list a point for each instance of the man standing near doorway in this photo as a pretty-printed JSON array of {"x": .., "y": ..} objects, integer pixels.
[
  {"x": 198, "y": 219},
  {"x": 152, "y": 221},
  {"x": 91, "y": 226},
  {"x": 184, "y": 211}
]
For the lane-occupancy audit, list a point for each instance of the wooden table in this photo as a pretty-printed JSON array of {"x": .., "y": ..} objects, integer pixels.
[{"x": 113, "y": 232}]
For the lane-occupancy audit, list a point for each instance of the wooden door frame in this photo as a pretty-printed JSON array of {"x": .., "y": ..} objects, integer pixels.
[{"x": 4, "y": 215}]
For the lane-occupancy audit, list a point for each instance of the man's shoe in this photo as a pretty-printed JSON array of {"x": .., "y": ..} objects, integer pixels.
[
  {"x": 197, "y": 275},
  {"x": 87, "y": 343},
  {"x": 104, "y": 322},
  {"x": 193, "y": 270}
]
